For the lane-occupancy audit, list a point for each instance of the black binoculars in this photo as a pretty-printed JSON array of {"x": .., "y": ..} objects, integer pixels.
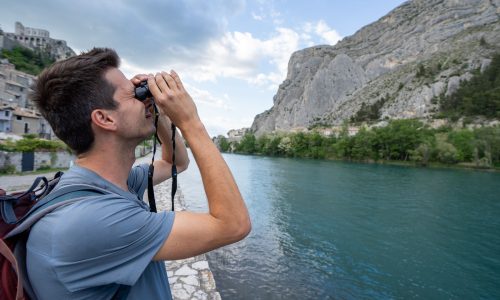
[{"x": 142, "y": 91}]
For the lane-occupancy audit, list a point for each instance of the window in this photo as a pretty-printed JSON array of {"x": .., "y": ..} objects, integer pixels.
[
  {"x": 19, "y": 118},
  {"x": 7, "y": 113}
]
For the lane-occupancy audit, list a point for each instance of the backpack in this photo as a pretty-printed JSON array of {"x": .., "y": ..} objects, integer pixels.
[{"x": 19, "y": 211}]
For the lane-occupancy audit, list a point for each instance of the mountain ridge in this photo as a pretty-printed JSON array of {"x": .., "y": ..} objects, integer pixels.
[{"x": 417, "y": 52}]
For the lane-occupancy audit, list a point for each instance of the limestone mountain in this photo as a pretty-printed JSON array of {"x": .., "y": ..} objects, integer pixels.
[{"x": 397, "y": 66}]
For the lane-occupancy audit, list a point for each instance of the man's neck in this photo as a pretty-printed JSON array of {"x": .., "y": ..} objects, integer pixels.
[{"x": 110, "y": 162}]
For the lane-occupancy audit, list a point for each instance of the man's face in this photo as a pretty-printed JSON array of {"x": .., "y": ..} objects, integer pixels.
[{"x": 134, "y": 118}]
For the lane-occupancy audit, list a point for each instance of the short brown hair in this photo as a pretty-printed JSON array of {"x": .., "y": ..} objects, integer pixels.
[{"x": 68, "y": 91}]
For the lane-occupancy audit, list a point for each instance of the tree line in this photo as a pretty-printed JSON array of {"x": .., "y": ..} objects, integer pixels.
[{"x": 401, "y": 140}]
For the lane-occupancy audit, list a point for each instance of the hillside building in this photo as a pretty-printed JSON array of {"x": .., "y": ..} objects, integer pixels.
[{"x": 35, "y": 38}]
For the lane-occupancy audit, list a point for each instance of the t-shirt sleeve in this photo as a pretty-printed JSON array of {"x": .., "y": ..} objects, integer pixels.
[
  {"x": 119, "y": 243},
  {"x": 138, "y": 179}
]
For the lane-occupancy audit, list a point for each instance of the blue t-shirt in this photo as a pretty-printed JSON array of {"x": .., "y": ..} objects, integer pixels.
[{"x": 87, "y": 249}]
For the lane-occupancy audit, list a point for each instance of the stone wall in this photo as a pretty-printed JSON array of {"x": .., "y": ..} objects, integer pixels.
[
  {"x": 60, "y": 159},
  {"x": 6, "y": 43},
  {"x": 11, "y": 159}
]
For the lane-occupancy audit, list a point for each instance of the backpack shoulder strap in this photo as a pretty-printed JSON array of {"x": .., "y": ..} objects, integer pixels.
[
  {"x": 7, "y": 201},
  {"x": 63, "y": 196}
]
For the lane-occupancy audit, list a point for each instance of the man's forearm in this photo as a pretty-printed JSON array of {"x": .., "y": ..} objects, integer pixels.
[
  {"x": 224, "y": 199},
  {"x": 165, "y": 135}
]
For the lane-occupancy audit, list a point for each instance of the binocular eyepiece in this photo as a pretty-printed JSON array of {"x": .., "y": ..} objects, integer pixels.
[{"x": 142, "y": 91}]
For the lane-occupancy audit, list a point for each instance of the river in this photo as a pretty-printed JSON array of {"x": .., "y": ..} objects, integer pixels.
[{"x": 337, "y": 230}]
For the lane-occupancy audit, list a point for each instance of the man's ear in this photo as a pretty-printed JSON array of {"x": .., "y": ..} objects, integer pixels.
[{"x": 103, "y": 119}]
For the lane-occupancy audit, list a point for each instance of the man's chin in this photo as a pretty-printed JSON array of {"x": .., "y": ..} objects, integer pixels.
[{"x": 151, "y": 131}]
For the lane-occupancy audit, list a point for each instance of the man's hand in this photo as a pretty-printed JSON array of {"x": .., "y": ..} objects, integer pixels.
[
  {"x": 171, "y": 97},
  {"x": 138, "y": 79},
  {"x": 163, "y": 167}
]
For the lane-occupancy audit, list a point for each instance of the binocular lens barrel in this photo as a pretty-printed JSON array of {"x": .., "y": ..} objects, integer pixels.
[{"x": 142, "y": 91}]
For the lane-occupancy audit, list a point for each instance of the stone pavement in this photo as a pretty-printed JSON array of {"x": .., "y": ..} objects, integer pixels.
[{"x": 189, "y": 278}]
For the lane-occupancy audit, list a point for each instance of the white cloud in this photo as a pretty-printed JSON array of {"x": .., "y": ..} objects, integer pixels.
[
  {"x": 260, "y": 62},
  {"x": 323, "y": 31},
  {"x": 329, "y": 35},
  {"x": 257, "y": 17},
  {"x": 205, "y": 98},
  {"x": 130, "y": 70},
  {"x": 241, "y": 55}
]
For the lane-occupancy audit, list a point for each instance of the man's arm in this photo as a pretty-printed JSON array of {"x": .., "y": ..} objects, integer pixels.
[
  {"x": 163, "y": 167},
  {"x": 227, "y": 220}
]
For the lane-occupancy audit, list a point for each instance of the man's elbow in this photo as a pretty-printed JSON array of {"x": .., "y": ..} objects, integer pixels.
[
  {"x": 246, "y": 228},
  {"x": 183, "y": 166},
  {"x": 242, "y": 229}
]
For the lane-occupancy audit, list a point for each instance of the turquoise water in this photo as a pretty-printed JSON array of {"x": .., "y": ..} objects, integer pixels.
[{"x": 333, "y": 230}]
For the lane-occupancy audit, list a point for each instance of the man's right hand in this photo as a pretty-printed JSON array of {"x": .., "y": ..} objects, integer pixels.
[{"x": 173, "y": 99}]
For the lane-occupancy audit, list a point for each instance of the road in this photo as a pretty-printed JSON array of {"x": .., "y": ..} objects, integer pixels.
[{"x": 12, "y": 183}]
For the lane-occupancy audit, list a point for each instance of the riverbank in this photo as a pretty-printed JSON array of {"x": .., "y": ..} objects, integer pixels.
[
  {"x": 400, "y": 140},
  {"x": 431, "y": 165}
]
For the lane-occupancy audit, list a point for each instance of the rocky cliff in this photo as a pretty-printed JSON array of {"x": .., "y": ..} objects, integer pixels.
[{"x": 417, "y": 52}]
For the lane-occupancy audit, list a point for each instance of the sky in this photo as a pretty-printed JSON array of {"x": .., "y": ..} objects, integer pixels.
[{"x": 231, "y": 54}]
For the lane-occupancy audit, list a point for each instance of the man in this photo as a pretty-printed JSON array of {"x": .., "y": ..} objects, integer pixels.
[{"x": 93, "y": 248}]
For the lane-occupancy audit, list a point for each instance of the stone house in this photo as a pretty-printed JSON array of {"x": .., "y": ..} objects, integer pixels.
[
  {"x": 235, "y": 135},
  {"x": 6, "y": 113},
  {"x": 15, "y": 85},
  {"x": 19, "y": 121}
]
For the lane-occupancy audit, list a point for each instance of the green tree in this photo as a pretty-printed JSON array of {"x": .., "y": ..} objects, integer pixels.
[
  {"x": 446, "y": 152},
  {"x": 362, "y": 146},
  {"x": 422, "y": 154},
  {"x": 399, "y": 138},
  {"x": 299, "y": 144},
  {"x": 478, "y": 96},
  {"x": 247, "y": 144},
  {"x": 285, "y": 146},
  {"x": 487, "y": 143},
  {"x": 223, "y": 143},
  {"x": 463, "y": 141}
]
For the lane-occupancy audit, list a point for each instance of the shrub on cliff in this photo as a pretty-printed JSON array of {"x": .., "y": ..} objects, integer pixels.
[
  {"x": 26, "y": 60},
  {"x": 478, "y": 96}
]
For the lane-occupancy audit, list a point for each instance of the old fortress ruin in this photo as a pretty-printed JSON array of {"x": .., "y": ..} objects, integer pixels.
[
  {"x": 35, "y": 38},
  {"x": 18, "y": 115}
]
